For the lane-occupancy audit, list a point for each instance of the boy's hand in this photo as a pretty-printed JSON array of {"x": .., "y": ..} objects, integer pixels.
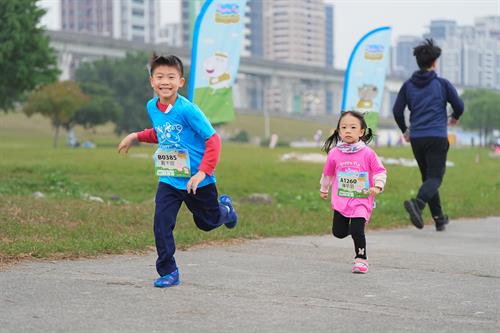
[
  {"x": 323, "y": 195},
  {"x": 375, "y": 190},
  {"x": 192, "y": 184},
  {"x": 127, "y": 142}
]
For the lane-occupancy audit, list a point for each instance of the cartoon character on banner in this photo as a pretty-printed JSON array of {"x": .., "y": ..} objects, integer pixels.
[
  {"x": 366, "y": 93},
  {"x": 217, "y": 71}
]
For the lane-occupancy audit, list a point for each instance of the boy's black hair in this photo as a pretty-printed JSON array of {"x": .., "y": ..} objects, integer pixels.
[
  {"x": 426, "y": 53},
  {"x": 335, "y": 137},
  {"x": 169, "y": 60}
]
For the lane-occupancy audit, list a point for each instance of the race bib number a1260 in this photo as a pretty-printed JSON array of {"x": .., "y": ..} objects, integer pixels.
[{"x": 353, "y": 184}]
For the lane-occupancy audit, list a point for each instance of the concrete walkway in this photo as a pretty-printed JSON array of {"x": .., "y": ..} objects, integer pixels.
[{"x": 420, "y": 281}]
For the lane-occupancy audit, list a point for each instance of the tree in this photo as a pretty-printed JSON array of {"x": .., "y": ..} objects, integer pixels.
[
  {"x": 26, "y": 59},
  {"x": 482, "y": 112},
  {"x": 128, "y": 80},
  {"x": 101, "y": 108},
  {"x": 58, "y": 101}
]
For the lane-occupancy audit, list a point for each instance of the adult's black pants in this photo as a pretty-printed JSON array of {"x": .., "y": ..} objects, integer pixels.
[{"x": 430, "y": 154}]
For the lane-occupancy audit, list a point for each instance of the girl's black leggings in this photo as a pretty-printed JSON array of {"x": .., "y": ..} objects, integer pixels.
[{"x": 354, "y": 226}]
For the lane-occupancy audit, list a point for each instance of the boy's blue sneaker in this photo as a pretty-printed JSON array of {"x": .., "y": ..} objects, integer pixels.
[
  {"x": 233, "y": 218},
  {"x": 168, "y": 280}
]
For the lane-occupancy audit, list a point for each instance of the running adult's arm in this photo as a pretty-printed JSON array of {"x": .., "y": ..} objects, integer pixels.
[
  {"x": 455, "y": 101},
  {"x": 399, "y": 109}
]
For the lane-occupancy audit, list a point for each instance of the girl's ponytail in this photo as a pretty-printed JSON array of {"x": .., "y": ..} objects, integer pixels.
[
  {"x": 331, "y": 141},
  {"x": 368, "y": 137}
]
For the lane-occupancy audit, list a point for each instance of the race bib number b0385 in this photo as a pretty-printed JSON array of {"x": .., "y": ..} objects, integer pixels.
[{"x": 172, "y": 163}]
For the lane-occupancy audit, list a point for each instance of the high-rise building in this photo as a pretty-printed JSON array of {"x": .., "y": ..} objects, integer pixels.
[
  {"x": 329, "y": 36},
  {"x": 190, "y": 10},
  {"x": 294, "y": 31},
  {"x": 170, "y": 34},
  {"x": 134, "y": 20},
  {"x": 442, "y": 29},
  {"x": 188, "y": 19},
  {"x": 487, "y": 49},
  {"x": 404, "y": 61},
  {"x": 446, "y": 34},
  {"x": 489, "y": 26},
  {"x": 256, "y": 28},
  {"x": 470, "y": 54}
]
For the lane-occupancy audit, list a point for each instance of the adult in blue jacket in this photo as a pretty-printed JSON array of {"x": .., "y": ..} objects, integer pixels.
[{"x": 426, "y": 95}]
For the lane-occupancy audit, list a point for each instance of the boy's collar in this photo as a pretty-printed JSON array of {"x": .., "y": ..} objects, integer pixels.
[
  {"x": 168, "y": 102},
  {"x": 163, "y": 107}
]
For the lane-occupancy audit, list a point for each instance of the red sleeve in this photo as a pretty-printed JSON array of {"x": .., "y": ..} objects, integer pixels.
[
  {"x": 212, "y": 154},
  {"x": 148, "y": 135}
]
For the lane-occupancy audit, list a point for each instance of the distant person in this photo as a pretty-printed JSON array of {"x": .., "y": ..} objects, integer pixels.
[
  {"x": 188, "y": 151},
  {"x": 88, "y": 144},
  {"x": 496, "y": 149},
  {"x": 317, "y": 137},
  {"x": 426, "y": 96},
  {"x": 71, "y": 139},
  {"x": 356, "y": 175}
]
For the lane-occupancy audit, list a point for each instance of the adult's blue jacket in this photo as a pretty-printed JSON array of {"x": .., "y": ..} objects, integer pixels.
[{"x": 426, "y": 96}]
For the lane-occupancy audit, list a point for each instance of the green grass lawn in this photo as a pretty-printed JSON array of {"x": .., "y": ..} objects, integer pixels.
[
  {"x": 64, "y": 225},
  {"x": 286, "y": 128}
]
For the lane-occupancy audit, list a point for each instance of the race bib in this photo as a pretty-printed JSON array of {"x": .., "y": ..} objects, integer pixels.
[
  {"x": 172, "y": 163},
  {"x": 353, "y": 184}
]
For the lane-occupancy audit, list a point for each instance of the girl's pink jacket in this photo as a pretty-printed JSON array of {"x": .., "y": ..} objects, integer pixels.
[{"x": 364, "y": 160}]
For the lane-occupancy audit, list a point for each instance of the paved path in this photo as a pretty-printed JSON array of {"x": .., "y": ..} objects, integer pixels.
[{"x": 420, "y": 281}]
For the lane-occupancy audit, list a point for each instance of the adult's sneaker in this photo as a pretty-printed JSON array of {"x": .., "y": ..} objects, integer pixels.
[
  {"x": 233, "y": 218},
  {"x": 168, "y": 280},
  {"x": 441, "y": 222},
  {"x": 414, "y": 209}
]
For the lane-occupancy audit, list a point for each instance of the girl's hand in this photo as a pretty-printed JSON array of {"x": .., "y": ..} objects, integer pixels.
[
  {"x": 375, "y": 190},
  {"x": 192, "y": 184},
  {"x": 323, "y": 195},
  {"x": 127, "y": 142}
]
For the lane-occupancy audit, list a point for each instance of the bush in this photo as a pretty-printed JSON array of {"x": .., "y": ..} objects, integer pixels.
[{"x": 241, "y": 136}]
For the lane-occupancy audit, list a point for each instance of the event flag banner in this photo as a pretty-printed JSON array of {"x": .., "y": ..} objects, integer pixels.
[
  {"x": 365, "y": 75},
  {"x": 215, "y": 57}
]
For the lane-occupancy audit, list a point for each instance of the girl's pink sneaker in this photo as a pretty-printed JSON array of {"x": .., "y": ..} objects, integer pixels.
[{"x": 360, "y": 266}]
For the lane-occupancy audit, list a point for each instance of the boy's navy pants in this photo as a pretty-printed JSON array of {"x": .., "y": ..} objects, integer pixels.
[{"x": 208, "y": 214}]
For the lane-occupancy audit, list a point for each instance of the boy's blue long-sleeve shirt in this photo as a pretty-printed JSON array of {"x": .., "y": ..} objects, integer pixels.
[
  {"x": 184, "y": 127},
  {"x": 426, "y": 96}
]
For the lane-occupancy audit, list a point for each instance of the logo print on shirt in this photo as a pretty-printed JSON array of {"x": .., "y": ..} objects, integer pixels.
[{"x": 169, "y": 134}]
